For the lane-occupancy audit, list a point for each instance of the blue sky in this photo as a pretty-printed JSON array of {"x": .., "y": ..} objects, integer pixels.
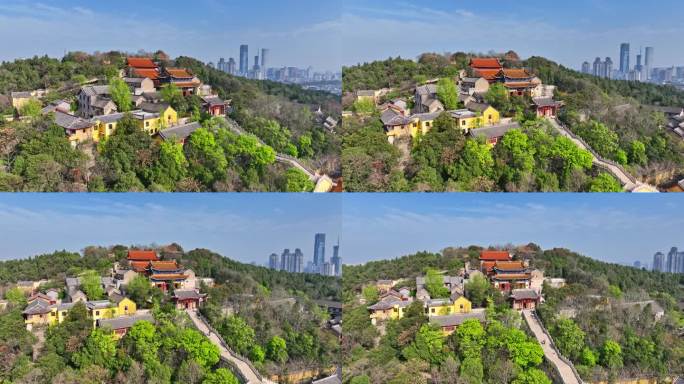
[
  {"x": 245, "y": 227},
  {"x": 299, "y": 33},
  {"x": 566, "y": 31},
  {"x": 620, "y": 228}
]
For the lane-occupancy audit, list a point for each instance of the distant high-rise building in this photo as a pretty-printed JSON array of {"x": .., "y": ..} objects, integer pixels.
[
  {"x": 319, "y": 252},
  {"x": 659, "y": 262},
  {"x": 335, "y": 260},
  {"x": 608, "y": 68},
  {"x": 586, "y": 67},
  {"x": 244, "y": 59},
  {"x": 221, "y": 66},
  {"x": 624, "y": 58},
  {"x": 597, "y": 69},
  {"x": 326, "y": 269},
  {"x": 298, "y": 261},
  {"x": 232, "y": 66},
  {"x": 273, "y": 261},
  {"x": 648, "y": 62},
  {"x": 285, "y": 260},
  {"x": 264, "y": 58}
]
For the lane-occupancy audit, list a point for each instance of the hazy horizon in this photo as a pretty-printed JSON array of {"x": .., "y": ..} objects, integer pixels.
[
  {"x": 615, "y": 228},
  {"x": 568, "y": 33},
  {"x": 216, "y": 29},
  {"x": 244, "y": 227}
]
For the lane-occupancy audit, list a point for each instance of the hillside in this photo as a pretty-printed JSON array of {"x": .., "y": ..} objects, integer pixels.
[
  {"x": 269, "y": 317},
  {"x": 616, "y": 119},
  {"x": 279, "y": 119},
  {"x": 604, "y": 317}
]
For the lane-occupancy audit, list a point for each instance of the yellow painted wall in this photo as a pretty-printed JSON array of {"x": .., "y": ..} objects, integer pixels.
[
  {"x": 103, "y": 130},
  {"x": 126, "y": 303},
  {"x": 462, "y": 305}
]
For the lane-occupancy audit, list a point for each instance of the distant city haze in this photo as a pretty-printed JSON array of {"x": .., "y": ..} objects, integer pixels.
[
  {"x": 245, "y": 227},
  {"x": 617, "y": 228},
  {"x": 300, "y": 33},
  {"x": 568, "y": 32}
]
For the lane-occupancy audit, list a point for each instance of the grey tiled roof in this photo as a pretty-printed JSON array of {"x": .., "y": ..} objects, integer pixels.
[
  {"x": 67, "y": 121},
  {"x": 457, "y": 319},
  {"x": 179, "y": 132},
  {"x": 124, "y": 321},
  {"x": 524, "y": 294},
  {"x": 494, "y": 130},
  {"x": 153, "y": 107},
  {"x": 185, "y": 294}
]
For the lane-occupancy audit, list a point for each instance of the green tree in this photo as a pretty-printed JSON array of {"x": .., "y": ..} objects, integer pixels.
[
  {"x": 220, "y": 376},
  {"x": 472, "y": 370},
  {"x": 447, "y": 93},
  {"x": 257, "y": 354},
  {"x": 605, "y": 183},
  {"x": 121, "y": 94},
  {"x": 276, "y": 350},
  {"x": 206, "y": 159},
  {"x": 297, "y": 181},
  {"x": 171, "y": 166},
  {"x": 637, "y": 153},
  {"x": 476, "y": 161},
  {"x": 611, "y": 355},
  {"x": 364, "y": 106},
  {"x": 305, "y": 148},
  {"x": 470, "y": 338},
  {"x": 427, "y": 346},
  {"x": 434, "y": 284},
  {"x": 91, "y": 284},
  {"x": 99, "y": 349},
  {"x": 569, "y": 338},
  {"x": 499, "y": 98},
  {"x": 532, "y": 376},
  {"x": 363, "y": 379},
  {"x": 371, "y": 294},
  {"x": 141, "y": 291},
  {"x": 15, "y": 297},
  {"x": 31, "y": 108},
  {"x": 588, "y": 357},
  {"x": 477, "y": 290},
  {"x": 238, "y": 334},
  {"x": 198, "y": 347}
]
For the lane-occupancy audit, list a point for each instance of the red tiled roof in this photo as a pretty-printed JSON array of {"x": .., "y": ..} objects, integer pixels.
[
  {"x": 488, "y": 74},
  {"x": 140, "y": 62},
  {"x": 509, "y": 265},
  {"x": 186, "y": 84},
  {"x": 515, "y": 73},
  {"x": 512, "y": 276},
  {"x": 140, "y": 255},
  {"x": 485, "y": 62},
  {"x": 519, "y": 84},
  {"x": 139, "y": 266},
  {"x": 150, "y": 73},
  {"x": 178, "y": 72},
  {"x": 164, "y": 265},
  {"x": 168, "y": 276},
  {"x": 495, "y": 256}
]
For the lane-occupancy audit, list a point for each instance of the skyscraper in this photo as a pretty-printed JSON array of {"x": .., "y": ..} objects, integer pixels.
[
  {"x": 586, "y": 67},
  {"x": 319, "y": 252},
  {"x": 221, "y": 66},
  {"x": 608, "y": 68},
  {"x": 273, "y": 261},
  {"x": 624, "y": 58},
  {"x": 598, "y": 67},
  {"x": 298, "y": 261},
  {"x": 231, "y": 66},
  {"x": 659, "y": 262},
  {"x": 285, "y": 260},
  {"x": 244, "y": 59},
  {"x": 648, "y": 62},
  {"x": 264, "y": 58},
  {"x": 335, "y": 259}
]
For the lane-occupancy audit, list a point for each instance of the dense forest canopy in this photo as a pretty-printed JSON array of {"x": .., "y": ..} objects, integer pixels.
[
  {"x": 35, "y": 154},
  {"x": 609, "y": 336}
]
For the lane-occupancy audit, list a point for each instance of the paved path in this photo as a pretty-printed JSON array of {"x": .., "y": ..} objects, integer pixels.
[
  {"x": 235, "y": 127},
  {"x": 628, "y": 181},
  {"x": 565, "y": 370},
  {"x": 244, "y": 368}
]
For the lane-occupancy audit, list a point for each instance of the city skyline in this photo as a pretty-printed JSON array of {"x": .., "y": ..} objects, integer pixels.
[
  {"x": 617, "y": 228},
  {"x": 298, "y": 262},
  {"x": 568, "y": 33},
  {"x": 243, "y": 227},
  {"x": 52, "y": 27}
]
